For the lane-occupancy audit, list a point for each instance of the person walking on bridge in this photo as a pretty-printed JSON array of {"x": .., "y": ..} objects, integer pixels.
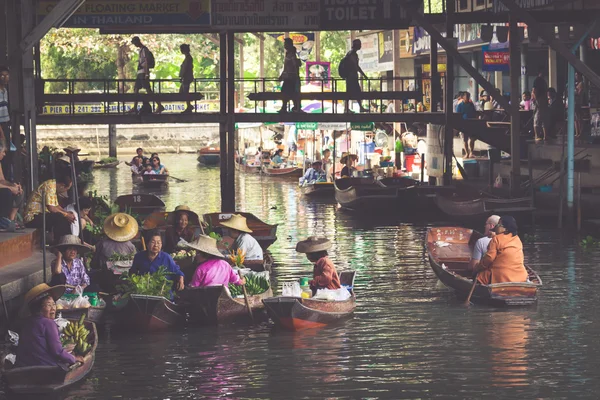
[
  {"x": 186, "y": 74},
  {"x": 352, "y": 69},
  {"x": 142, "y": 81}
]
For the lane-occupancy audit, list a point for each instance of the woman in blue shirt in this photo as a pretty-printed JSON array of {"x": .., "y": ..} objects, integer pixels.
[
  {"x": 157, "y": 167},
  {"x": 277, "y": 160},
  {"x": 149, "y": 261}
]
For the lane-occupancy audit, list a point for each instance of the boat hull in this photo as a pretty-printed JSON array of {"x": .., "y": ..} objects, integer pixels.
[
  {"x": 151, "y": 313},
  {"x": 318, "y": 189},
  {"x": 153, "y": 181},
  {"x": 481, "y": 208},
  {"x": 114, "y": 164},
  {"x": 292, "y": 172},
  {"x": 248, "y": 169},
  {"x": 209, "y": 156},
  {"x": 142, "y": 204}
]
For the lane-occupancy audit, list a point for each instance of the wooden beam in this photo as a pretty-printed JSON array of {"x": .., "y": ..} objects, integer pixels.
[
  {"x": 551, "y": 40},
  {"x": 336, "y": 96},
  {"x": 259, "y": 35},
  {"x": 213, "y": 38},
  {"x": 118, "y": 97}
]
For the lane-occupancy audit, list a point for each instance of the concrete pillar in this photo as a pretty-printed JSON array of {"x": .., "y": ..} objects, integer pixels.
[
  {"x": 524, "y": 81},
  {"x": 583, "y": 57},
  {"x": 29, "y": 109},
  {"x": 475, "y": 64},
  {"x": 498, "y": 81},
  {"x": 552, "y": 69},
  {"x": 13, "y": 32},
  {"x": 515, "y": 125},
  {"x": 435, "y": 76},
  {"x": 449, "y": 112},
  {"x": 241, "y": 96},
  {"x": 112, "y": 140},
  {"x": 317, "y": 45}
]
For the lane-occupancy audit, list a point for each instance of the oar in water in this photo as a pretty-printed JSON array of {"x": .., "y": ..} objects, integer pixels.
[
  {"x": 177, "y": 179},
  {"x": 468, "y": 301},
  {"x": 247, "y": 303}
]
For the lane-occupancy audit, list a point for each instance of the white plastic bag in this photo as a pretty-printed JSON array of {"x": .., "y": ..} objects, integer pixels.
[
  {"x": 64, "y": 304},
  {"x": 61, "y": 322},
  {"x": 291, "y": 289},
  {"x": 81, "y": 301},
  {"x": 340, "y": 294},
  {"x": 14, "y": 337}
]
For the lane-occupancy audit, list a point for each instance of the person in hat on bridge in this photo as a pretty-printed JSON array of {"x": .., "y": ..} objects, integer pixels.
[
  {"x": 68, "y": 268},
  {"x": 325, "y": 275},
  {"x": 39, "y": 340},
  {"x": 180, "y": 224},
  {"x": 212, "y": 270},
  {"x": 239, "y": 231}
]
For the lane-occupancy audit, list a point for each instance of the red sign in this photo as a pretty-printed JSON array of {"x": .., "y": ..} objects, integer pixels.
[{"x": 495, "y": 60}]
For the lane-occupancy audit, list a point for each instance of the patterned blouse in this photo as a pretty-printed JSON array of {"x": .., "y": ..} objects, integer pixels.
[
  {"x": 77, "y": 275},
  {"x": 34, "y": 205}
]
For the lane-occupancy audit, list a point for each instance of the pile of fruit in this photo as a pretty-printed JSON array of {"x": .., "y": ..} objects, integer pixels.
[
  {"x": 255, "y": 284},
  {"x": 76, "y": 333}
]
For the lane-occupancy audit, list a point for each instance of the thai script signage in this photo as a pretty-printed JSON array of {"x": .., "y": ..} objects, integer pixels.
[
  {"x": 266, "y": 15},
  {"x": 495, "y": 60}
]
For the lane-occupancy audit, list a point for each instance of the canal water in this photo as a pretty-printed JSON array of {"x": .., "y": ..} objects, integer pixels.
[{"x": 409, "y": 338}]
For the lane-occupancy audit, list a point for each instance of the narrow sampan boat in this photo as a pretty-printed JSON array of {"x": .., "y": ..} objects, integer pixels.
[
  {"x": 154, "y": 180},
  {"x": 450, "y": 250},
  {"x": 368, "y": 195},
  {"x": 93, "y": 314},
  {"x": 318, "y": 189},
  {"x": 248, "y": 169},
  {"x": 209, "y": 155},
  {"x": 481, "y": 208},
  {"x": 295, "y": 314},
  {"x": 264, "y": 233},
  {"x": 48, "y": 379},
  {"x": 100, "y": 165},
  {"x": 150, "y": 313},
  {"x": 213, "y": 305},
  {"x": 282, "y": 172},
  {"x": 142, "y": 204}
]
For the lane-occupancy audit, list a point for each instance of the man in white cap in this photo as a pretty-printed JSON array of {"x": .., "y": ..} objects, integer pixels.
[
  {"x": 238, "y": 230},
  {"x": 481, "y": 245}
]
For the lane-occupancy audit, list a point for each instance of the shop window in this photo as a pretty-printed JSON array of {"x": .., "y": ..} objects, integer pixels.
[{"x": 463, "y": 5}]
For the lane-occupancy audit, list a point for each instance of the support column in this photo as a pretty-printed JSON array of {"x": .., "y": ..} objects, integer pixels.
[
  {"x": 223, "y": 112},
  {"x": 241, "y": 98},
  {"x": 229, "y": 198},
  {"x": 475, "y": 64},
  {"x": 317, "y": 46},
  {"x": 524, "y": 81},
  {"x": 261, "y": 52},
  {"x": 13, "y": 32},
  {"x": 3, "y": 33},
  {"x": 112, "y": 140},
  {"x": 552, "y": 69},
  {"x": 515, "y": 126},
  {"x": 29, "y": 109},
  {"x": 448, "y": 109},
  {"x": 435, "y": 76},
  {"x": 499, "y": 81}
]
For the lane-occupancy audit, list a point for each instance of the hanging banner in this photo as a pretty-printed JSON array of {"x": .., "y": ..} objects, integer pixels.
[
  {"x": 362, "y": 126},
  {"x": 266, "y": 15},
  {"x": 309, "y": 126},
  {"x": 318, "y": 73},
  {"x": 495, "y": 60},
  {"x": 385, "y": 48},
  {"x": 303, "y": 41}
]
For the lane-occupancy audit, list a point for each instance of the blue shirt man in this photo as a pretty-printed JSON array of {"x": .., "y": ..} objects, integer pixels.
[{"x": 313, "y": 174}]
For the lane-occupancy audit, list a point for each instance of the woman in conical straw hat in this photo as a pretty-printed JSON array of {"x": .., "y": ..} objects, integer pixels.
[
  {"x": 68, "y": 268},
  {"x": 325, "y": 275},
  {"x": 39, "y": 342},
  {"x": 212, "y": 269},
  {"x": 348, "y": 161},
  {"x": 238, "y": 230},
  {"x": 180, "y": 223}
]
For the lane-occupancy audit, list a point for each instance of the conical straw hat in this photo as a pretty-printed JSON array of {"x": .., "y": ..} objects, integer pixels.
[
  {"x": 42, "y": 290},
  {"x": 120, "y": 227},
  {"x": 237, "y": 222},
  {"x": 67, "y": 241},
  {"x": 205, "y": 244},
  {"x": 193, "y": 217},
  {"x": 313, "y": 244}
]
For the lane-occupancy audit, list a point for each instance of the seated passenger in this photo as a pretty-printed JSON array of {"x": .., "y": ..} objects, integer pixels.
[
  {"x": 157, "y": 167},
  {"x": 503, "y": 261},
  {"x": 348, "y": 161},
  {"x": 68, "y": 268},
  {"x": 39, "y": 341},
  {"x": 212, "y": 269},
  {"x": 149, "y": 170},
  {"x": 277, "y": 159},
  {"x": 481, "y": 245},
  {"x": 179, "y": 227},
  {"x": 238, "y": 230},
  {"x": 136, "y": 166},
  {"x": 325, "y": 275},
  {"x": 314, "y": 174}
]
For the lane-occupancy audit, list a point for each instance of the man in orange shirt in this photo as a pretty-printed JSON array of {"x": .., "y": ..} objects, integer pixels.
[{"x": 325, "y": 275}]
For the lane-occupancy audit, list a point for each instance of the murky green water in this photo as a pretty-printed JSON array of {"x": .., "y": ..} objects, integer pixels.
[{"x": 409, "y": 338}]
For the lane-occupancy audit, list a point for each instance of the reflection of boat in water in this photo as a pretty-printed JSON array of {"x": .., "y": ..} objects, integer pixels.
[
  {"x": 155, "y": 180},
  {"x": 282, "y": 172},
  {"x": 295, "y": 313},
  {"x": 209, "y": 155},
  {"x": 318, "y": 189},
  {"x": 264, "y": 233},
  {"x": 450, "y": 263},
  {"x": 142, "y": 204}
]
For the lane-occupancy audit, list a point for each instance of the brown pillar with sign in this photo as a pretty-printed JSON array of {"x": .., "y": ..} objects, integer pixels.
[
  {"x": 435, "y": 76},
  {"x": 515, "y": 123},
  {"x": 229, "y": 196},
  {"x": 223, "y": 114},
  {"x": 448, "y": 109}
]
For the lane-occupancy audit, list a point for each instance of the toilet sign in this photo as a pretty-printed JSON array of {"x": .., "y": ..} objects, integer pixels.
[{"x": 368, "y": 14}]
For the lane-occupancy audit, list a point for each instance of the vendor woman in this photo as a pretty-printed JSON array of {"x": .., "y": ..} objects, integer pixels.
[
  {"x": 68, "y": 268},
  {"x": 348, "y": 161},
  {"x": 39, "y": 342},
  {"x": 325, "y": 275},
  {"x": 238, "y": 230},
  {"x": 180, "y": 227},
  {"x": 149, "y": 261},
  {"x": 212, "y": 270}
]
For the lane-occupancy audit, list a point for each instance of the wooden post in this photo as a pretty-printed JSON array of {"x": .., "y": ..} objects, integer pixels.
[
  {"x": 223, "y": 112},
  {"x": 229, "y": 198},
  {"x": 16, "y": 81},
  {"x": 261, "y": 52},
  {"x": 112, "y": 140},
  {"x": 241, "y": 98},
  {"x": 448, "y": 109},
  {"x": 515, "y": 127},
  {"x": 318, "y": 45},
  {"x": 435, "y": 76},
  {"x": 3, "y": 33},
  {"x": 29, "y": 109}
]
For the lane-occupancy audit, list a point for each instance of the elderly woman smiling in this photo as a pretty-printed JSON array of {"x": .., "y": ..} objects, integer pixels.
[{"x": 149, "y": 261}]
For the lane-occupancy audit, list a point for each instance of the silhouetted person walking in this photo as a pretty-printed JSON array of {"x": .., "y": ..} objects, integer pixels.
[
  {"x": 186, "y": 74},
  {"x": 540, "y": 96},
  {"x": 5, "y": 124},
  {"x": 142, "y": 81},
  {"x": 290, "y": 77},
  {"x": 352, "y": 69}
]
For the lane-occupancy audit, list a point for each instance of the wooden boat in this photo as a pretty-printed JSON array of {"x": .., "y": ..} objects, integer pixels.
[
  {"x": 481, "y": 208},
  {"x": 318, "y": 189},
  {"x": 295, "y": 314},
  {"x": 264, "y": 233},
  {"x": 84, "y": 166},
  {"x": 47, "y": 379},
  {"x": 150, "y": 313},
  {"x": 248, "y": 169},
  {"x": 93, "y": 314},
  {"x": 213, "y": 305},
  {"x": 142, "y": 204},
  {"x": 113, "y": 164},
  {"x": 282, "y": 172},
  {"x": 209, "y": 155},
  {"x": 157, "y": 180},
  {"x": 450, "y": 264}
]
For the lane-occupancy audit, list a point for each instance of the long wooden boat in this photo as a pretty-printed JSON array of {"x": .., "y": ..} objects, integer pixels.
[
  {"x": 295, "y": 314},
  {"x": 157, "y": 180},
  {"x": 248, "y": 169},
  {"x": 264, "y": 233},
  {"x": 481, "y": 208},
  {"x": 450, "y": 251},
  {"x": 213, "y": 305},
  {"x": 142, "y": 204},
  {"x": 209, "y": 155},
  {"x": 113, "y": 164},
  {"x": 318, "y": 189},
  {"x": 282, "y": 172},
  {"x": 93, "y": 314},
  {"x": 150, "y": 313},
  {"x": 47, "y": 379}
]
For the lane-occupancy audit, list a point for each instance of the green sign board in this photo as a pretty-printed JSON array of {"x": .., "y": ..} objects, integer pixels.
[
  {"x": 307, "y": 125},
  {"x": 362, "y": 126}
]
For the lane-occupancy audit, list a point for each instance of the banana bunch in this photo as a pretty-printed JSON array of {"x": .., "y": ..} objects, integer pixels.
[
  {"x": 76, "y": 333},
  {"x": 254, "y": 285}
]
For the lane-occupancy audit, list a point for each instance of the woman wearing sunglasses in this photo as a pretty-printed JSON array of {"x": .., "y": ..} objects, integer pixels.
[
  {"x": 504, "y": 260},
  {"x": 157, "y": 167}
]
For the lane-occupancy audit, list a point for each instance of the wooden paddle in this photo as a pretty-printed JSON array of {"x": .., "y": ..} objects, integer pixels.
[
  {"x": 468, "y": 301},
  {"x": 177, "y": 179},
  {"x": 247, "y": 303}
]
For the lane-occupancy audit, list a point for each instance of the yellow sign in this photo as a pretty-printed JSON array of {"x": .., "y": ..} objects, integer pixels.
[
  {"x": 98, "y": 108},
  {"x": 441, "y": 68}
]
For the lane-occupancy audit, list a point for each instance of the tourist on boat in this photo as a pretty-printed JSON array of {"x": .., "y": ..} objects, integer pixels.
[
  {"x": 239, "y": 231},
  {"x": 348, "y": 161},
  {"x": 325, "y": 275},
  {"x": 137, "y": 167},
  {"x": 179, "y": 227},
  {"x": 68, "y": 268},
  {"x": 11, "y": 197},
  {"x": 39, "y": 339},
  {"x": 327, "y": 162},
  {"x": 58, "y": 219},
  {"x": 149, "y": 261},
  {"x": 212, "y": 269},
  {"x": 481, "y": 245},
  {"x": 277, "y": 159},
  {"x": 139, "y": 154},
  {"x": 503, "y": 261},
  {"x": 157, "y": 167},
  {"x": 313, "y": 174},
  {"x": 149, "y": 170}
]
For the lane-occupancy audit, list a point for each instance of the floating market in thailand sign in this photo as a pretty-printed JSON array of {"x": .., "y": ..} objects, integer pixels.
[{"x": 99, "y": 108}]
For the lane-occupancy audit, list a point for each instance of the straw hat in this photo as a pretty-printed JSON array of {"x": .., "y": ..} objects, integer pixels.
[
  {"x": 43, "y": 290},
  {"x": 205, "y": 244},
  {"x": 120, "y": 227},
  {"x": 313, "y": 244},
  {"x": 72, "y": 149},
  {"x": 193, "y": 217},
  {"x": 488, "y": 106},
  {"x": 64, "y": 159},
  {"x": 237, "y": 222},
  {"x": 345, "y": 156},
  {"x": 67, "y": 241}
]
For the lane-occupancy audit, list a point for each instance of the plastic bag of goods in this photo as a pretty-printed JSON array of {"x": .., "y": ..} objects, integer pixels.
[
  {"x": 340, "y": 294},
  {"x": 81, "y": 301},
  {"x": 291, "y": 289},
  {"x": 64, "y": 303},
  {"x": 61, "y": 322}
]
